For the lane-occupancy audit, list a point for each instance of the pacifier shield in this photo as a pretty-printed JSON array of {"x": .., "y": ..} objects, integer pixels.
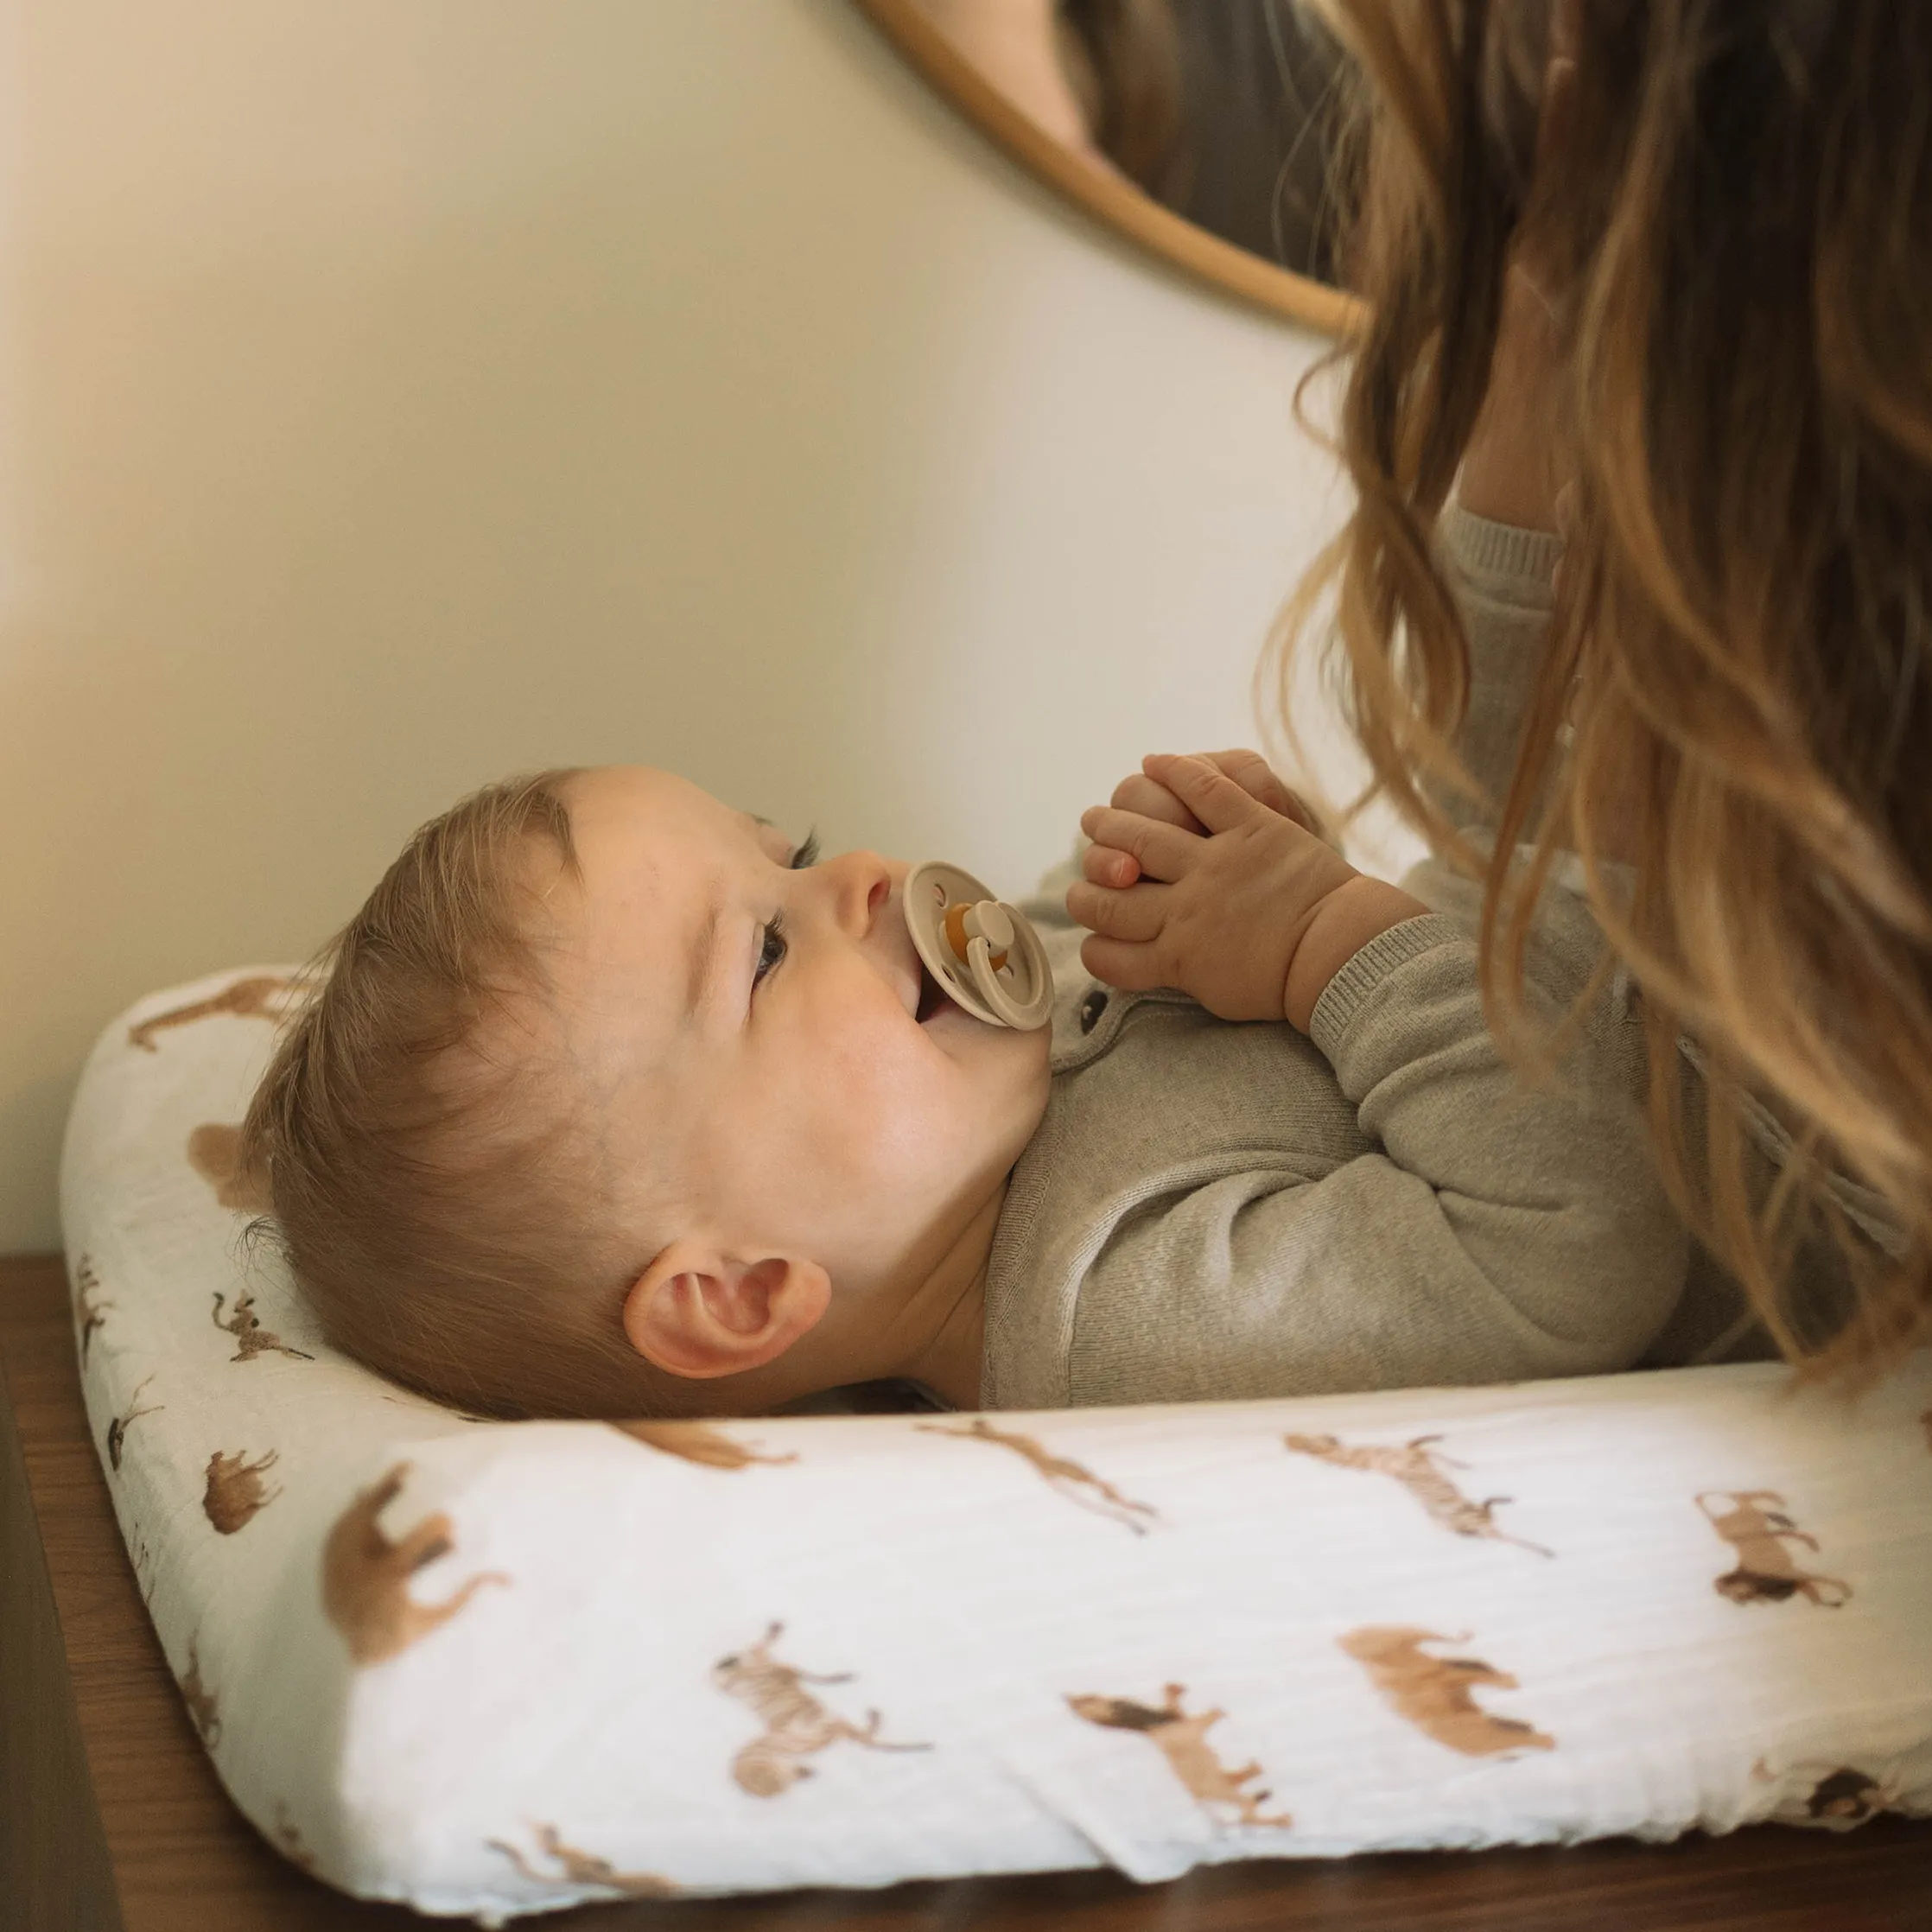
[{"x": 980, "y": 952}]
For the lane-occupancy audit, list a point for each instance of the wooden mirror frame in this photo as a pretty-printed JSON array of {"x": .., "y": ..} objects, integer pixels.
[{"x": 1115, "y": 201}]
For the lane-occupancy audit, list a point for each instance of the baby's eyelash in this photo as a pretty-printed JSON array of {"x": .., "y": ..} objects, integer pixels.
[{"x": 772, "y": 948}]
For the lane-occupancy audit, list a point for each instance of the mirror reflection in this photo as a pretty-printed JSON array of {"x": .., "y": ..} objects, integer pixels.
[{"x": 1223, "y": 110}]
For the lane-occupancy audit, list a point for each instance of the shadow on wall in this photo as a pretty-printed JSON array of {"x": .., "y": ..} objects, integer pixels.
[{"x": 396, "y": 398}]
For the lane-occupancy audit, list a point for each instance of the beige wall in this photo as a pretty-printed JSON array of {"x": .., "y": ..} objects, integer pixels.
[{"x": 396, "y": 393}]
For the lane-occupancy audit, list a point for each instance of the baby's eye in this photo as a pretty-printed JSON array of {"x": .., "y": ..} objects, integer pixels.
[
  {"x": 804, "y": 857},
  {"x": 770, "y": 950}
]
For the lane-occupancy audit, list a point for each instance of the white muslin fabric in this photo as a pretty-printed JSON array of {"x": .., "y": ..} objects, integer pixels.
[{"x": 495, "y": 1669}]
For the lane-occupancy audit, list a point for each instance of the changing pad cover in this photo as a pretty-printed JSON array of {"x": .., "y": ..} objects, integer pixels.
[{"x": 490, "y": 1668}]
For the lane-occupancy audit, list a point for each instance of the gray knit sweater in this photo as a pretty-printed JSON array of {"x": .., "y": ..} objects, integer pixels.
[{"x": 1216, "y": 1210}]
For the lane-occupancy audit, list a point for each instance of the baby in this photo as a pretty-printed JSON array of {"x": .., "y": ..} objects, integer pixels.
[{"x": 615, "y": 1101}]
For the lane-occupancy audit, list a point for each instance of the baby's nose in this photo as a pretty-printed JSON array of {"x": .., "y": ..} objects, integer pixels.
[{"x": 864, "y": 885}]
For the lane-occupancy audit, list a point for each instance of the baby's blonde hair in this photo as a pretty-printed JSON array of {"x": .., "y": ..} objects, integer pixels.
[{"x": 439, "y": 1193}]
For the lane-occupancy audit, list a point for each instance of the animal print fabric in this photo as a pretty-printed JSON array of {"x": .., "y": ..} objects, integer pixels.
[{"x": 495, "y": 1669}]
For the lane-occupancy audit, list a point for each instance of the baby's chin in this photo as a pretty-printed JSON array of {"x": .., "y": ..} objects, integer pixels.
[
  {"x": 963, "y": 1038},
  {"x": 1006, "y": 1069},
  {"x": 949, "y": 1027}
]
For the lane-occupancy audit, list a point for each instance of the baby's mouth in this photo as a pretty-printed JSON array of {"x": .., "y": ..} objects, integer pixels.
[{"x": 932, "y": 1000}]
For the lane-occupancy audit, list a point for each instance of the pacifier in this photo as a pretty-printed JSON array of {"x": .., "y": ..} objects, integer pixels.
[{"x": 982, "y": 953}]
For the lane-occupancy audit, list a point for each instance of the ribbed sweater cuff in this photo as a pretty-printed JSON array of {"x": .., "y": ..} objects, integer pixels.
[
  {"x": 1351, "y": 987},
  {"x": 1502, "y": 557}
]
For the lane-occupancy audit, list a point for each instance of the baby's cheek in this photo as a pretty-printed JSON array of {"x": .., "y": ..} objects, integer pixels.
[
  {"x": 919, "y": 1115},
  {"x": 902, "y": 1120},
  {"x": 896, "y": 1113}
]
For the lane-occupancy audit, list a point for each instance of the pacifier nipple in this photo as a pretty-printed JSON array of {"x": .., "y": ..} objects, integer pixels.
[
  {"x": 988, "y": 921},
  {"x": 982, "y": 953}
]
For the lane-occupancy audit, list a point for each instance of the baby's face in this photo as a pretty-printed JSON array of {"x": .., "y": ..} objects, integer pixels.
[{"x": 766, "y": 1051}]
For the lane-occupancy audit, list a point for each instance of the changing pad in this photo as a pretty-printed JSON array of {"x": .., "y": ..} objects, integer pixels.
[{"x": 494, "y": 1669}]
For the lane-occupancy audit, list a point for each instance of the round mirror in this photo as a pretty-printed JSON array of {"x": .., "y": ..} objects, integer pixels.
[{"x": 1203, "y": 129}]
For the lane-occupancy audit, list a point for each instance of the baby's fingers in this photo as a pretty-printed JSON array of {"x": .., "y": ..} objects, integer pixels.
[
  {"x": 1136, "y": 915},
  {"x": 1119, "y": 963},
  {"x": 1106, "y": 867},
  {"x": 1138, "y": 792},
  {"x": 1207, "y": 792},
  {"x": 1163, "y": 851},
  {"x": 1259, "y": 779}
]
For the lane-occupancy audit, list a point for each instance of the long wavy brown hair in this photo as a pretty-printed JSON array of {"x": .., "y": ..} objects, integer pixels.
[{"x": 1733, "y": 228}]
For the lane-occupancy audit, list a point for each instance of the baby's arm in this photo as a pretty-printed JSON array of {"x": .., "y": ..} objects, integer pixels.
[
  {"x": 1505, "y": 1227},
  {"x": 1253, "y": 915}
]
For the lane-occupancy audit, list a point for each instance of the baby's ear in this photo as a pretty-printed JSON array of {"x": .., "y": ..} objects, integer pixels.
[{"x": 699, "y": 1313}]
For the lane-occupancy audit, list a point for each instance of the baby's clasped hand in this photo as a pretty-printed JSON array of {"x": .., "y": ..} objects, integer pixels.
[{"x": 1253, "y": 915}]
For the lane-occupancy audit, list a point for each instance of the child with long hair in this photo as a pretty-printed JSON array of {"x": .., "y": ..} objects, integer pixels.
[{"x": 1647, "y": 285}]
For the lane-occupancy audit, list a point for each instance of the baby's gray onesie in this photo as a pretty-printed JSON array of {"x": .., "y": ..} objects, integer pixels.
[{"x": 1213, "y": 1210}]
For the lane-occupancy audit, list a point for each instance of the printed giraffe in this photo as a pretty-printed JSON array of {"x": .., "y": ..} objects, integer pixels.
[
  {"x": 214, "y": 1153},
  {"x": 584, "y": 1868},
  {"x": 1766, "y": 1571},
  {"x": 91, "y": 1310},
  {"x": 1433, "y": 1692},
  {"x": 796, "y": 1723},
  {"x": 117, "y": 1429},
  {"x": 1181, "y": 1739},
  {"x": 203, "y": 1706},
  {"x": 1843, "y": 1798},
  {"x": 1835, "y": 1799},
  {"x": 235, "y": 1490},
  {"x": 366, "y": 1577},
  {"x": 251, "y": 1339},
  {"x": 698, "y": 1442},
  {"x": 258, "y": 996},
  {"x": 1418, "y": 1468},
  {"x": 1075, "y": 1481}
]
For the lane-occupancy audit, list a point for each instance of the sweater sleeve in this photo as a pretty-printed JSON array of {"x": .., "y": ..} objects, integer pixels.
[
  {"x": 1500, "y": 577},
  {"x": 1502, "y": 1227}
]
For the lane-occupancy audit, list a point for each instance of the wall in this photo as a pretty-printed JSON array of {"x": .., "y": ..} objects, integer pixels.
[{"x": 400, "y": 392}]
